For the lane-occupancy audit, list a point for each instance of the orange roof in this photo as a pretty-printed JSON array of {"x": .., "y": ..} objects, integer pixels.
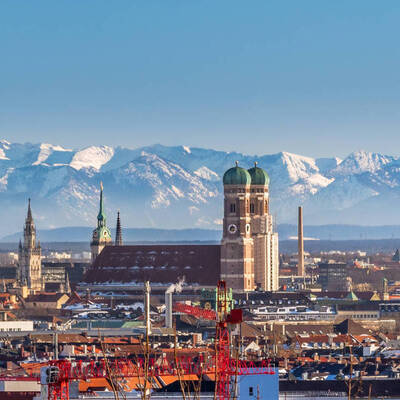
[
  {"x": 33, "y": 368},
  {"x": 168, "y": 379},
  {"x": 95, "y": 383},
  {"x": 128, "y": 384}
]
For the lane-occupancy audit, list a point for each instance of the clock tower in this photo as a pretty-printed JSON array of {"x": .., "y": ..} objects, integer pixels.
[
  {"x": 101, "y": 236},
  {"x": 237, "y": 258}
]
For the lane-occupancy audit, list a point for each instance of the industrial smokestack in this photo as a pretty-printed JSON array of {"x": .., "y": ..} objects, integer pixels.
[
  {"x": 147, "y": 290},
  {"x": 168, "y": 309},
  {"x": 300, "y": 238},
  {"x": 175, "y": 287}
]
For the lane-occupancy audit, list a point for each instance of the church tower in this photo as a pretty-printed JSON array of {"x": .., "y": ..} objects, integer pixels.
[
  {"x": 266, "y": 246},
  {"x": 237, "y": 259},
  {"x": 30, "y": 256},
  {"x": 118, "y": 232},
  {"x": 101, "y": 236}
]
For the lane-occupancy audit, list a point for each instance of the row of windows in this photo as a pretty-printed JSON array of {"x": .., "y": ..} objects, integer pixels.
[
  {"x": 251, "y": 209},
  {"x": 10, "y": 330},
  {"x": 239, "y": 190},
  {"x": 365, "y": 316}
]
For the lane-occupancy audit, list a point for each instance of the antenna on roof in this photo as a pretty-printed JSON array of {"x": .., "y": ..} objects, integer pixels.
[{"x": 237, "y": 163}]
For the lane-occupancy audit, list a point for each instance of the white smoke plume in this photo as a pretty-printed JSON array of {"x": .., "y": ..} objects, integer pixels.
[{"x": 176, "y": 287}]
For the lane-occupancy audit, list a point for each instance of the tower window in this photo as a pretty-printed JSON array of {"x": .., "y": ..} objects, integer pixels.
[
  {"x": 233, "y": 208},
  {"x": 252, "y": 208}
]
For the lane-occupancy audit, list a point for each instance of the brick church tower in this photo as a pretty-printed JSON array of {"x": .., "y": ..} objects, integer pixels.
[
  {"x": 249, "y": 246},
  {"x": 237, "y": 259},
  {"x": 266, "y": 246}
]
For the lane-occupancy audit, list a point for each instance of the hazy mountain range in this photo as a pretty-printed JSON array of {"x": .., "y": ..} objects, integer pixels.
[
  {"x": 286, "y": 232},
  {"x": 180, "y": 187}
]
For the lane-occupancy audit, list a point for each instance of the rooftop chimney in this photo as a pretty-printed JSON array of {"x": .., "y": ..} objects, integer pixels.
[
  {"x": 168, "y": 309},
  {"x": 300, "y": 238},
  {"x": 147, "y": 290}
]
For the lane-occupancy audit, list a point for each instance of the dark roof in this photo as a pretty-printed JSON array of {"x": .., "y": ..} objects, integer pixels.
[
  {"x": 311, "y": 329},
  {"x": 357, "y": 306},
  {"x": 44, "y": 297},
  {"x": 329, "y": 294},
  {"x": 157, "y": 263},
  {"x": 255, "y": 296},
  {"x": 350, "y": 327}
]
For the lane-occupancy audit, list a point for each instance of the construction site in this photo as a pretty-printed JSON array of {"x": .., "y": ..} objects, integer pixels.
[{"x": 146, "y": 366}]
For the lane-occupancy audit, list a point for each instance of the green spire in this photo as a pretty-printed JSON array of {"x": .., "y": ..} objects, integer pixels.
[{"x": 101, "y": 217}]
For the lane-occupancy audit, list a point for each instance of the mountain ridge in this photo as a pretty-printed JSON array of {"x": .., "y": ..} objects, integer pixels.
[
  {"x": 286, "y": 232},
  {"x": 181, "y": 187}
]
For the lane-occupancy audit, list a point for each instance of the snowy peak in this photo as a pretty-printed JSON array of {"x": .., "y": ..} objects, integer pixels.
[
  {"x": 299, "y": 167},
  {"x": 92, "y": 157},
  {"x": 362, "y": 161}
]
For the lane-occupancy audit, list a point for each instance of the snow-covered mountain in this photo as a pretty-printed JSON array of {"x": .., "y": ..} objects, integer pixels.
[{"x": 181, "y": 187}]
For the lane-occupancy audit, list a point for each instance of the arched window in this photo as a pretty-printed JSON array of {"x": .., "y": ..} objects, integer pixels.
[{"x": 252, "y": 208}]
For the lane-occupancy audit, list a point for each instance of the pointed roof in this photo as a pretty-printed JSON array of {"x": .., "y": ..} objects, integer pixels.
[
  {"x": 101, "y": 216},
  {"x": 352, "y": 296},
  {"x": 118, "y": 233},
  {"x": 375, "y": 297},
  {"x": 29, "y": 215}
]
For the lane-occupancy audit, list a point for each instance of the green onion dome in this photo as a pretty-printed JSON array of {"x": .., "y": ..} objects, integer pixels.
[
  {"x": 258, "y": 176},
  {"x": 237, "y": 176}
]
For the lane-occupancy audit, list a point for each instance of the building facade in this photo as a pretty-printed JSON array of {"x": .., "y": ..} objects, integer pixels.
[
  {"x": 30, "y": 256},
  {"x": 101, "y": 236},
  {"x": 333, "y": 276},
  {"x": 249, "y": 246}
]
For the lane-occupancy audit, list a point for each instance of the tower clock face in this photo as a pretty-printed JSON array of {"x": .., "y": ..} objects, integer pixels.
[{"x": 232, "y": 228}]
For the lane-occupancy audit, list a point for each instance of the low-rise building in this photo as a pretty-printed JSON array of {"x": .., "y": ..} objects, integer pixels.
[
  {"x": 46, "y": 300},
  {"x": 16, "y": 326}
]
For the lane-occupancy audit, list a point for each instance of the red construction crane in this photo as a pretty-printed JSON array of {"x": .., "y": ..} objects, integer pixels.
[{"x": 59, "y": 373}]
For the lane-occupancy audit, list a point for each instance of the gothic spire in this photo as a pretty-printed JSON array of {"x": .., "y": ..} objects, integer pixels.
[
  {"x": 29, "y": 229},
  {"x": 29, "y": 216},
  {"x": 118, "y": 234},
  {"x": 101, "y": 217}
]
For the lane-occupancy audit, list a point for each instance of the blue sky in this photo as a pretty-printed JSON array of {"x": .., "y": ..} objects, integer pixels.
[{"x": 317, "y": 78}]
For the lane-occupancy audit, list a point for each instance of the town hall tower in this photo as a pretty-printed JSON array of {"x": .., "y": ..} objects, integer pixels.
[{"x": 30, "y": 256}]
